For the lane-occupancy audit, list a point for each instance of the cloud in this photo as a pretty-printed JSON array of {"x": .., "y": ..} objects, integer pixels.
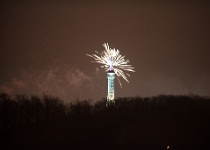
[
  {"x": 5, "y": 89},
  {"x": 62, "y": 82},
  {"x": 77, "y": 78},
  {"x": 18, "y": 83}
]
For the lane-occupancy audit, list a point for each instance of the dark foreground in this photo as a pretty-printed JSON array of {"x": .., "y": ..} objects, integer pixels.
[{"x": 180, "y": 122}]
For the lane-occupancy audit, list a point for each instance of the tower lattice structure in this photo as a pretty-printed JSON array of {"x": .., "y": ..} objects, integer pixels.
[{"x": 110, "y": 95}]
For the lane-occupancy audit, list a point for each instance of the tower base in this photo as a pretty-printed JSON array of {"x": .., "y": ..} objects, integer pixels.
[{"x": 110, "y": 103}]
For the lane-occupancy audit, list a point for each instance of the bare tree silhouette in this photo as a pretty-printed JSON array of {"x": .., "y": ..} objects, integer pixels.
[{"x": 177, "y": 121}]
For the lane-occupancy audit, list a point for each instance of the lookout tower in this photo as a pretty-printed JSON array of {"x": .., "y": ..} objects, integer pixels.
[{"x": 110, "y": 95}]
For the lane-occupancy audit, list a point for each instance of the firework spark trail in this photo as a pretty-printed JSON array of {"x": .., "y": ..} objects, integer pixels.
[{"x": 112, "y": 60}]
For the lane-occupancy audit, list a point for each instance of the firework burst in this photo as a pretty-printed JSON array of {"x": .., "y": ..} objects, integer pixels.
[{"x": 112, "y": 60}]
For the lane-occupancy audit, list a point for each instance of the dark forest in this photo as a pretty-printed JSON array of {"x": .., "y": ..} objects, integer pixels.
[{"x": 160, "y": 122}]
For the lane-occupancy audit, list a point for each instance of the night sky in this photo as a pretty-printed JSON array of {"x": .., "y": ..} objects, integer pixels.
[{"x": 43, "y": 47}]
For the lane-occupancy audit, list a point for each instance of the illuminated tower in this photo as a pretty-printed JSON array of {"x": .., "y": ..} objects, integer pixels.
[
  {"x": 110, "y": 95},
  {"x": 113, "y": 63}
]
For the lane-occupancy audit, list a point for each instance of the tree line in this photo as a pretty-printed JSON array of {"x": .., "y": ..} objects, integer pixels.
[{"x": 46, "y": 122}]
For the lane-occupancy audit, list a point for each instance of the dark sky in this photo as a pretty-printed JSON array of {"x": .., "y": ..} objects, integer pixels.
[{"x": 43, "y": 47}]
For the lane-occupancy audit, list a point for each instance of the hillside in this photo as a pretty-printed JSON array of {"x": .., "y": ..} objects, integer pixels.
[{"x": 180, "y": 122}]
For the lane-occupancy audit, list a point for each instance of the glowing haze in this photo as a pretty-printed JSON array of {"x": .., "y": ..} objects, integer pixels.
[{"x": 43, "y": 47}]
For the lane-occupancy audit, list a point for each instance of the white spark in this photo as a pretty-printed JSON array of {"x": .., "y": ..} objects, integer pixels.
[{"x": 112, "y": 60}]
